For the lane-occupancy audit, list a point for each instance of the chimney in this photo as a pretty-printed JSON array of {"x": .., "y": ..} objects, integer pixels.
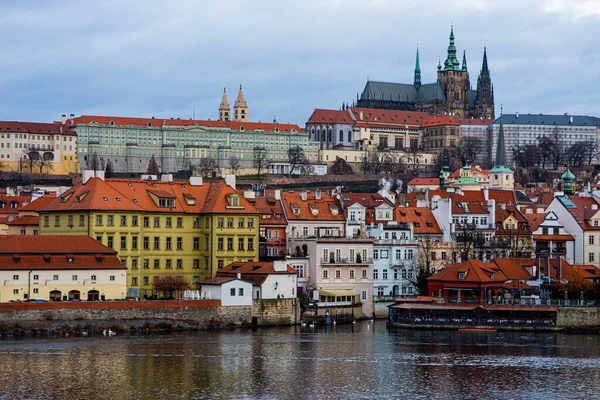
[
  {"x": 517, "y": 114},
  {"x": 249, "y": 194},
  {"x": 72, "y": 118},
  {"x": 195, "y": 181},
  {"x": 239, "y": 275},
  {"x": 318, "y": 194},
  {"x": 230, "y": 181},
  {"x": 64, "y": 119},
  {"x": 89, "y": 174},
  {"x": 360, "y": 115},
  {"x": 166, "y": 178},
  {"x": 303, "y": 195},
  {"x": 279, "y": 265},
  {"x": 277, "y": 194}
]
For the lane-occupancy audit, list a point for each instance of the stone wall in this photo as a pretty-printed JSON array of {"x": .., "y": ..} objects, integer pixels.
[
  {"x": 95, "y": 316},
  {"x": 381, "y": 309},
  {"x": 276, "y": 311},
  {"x": 578, "y": 317}
]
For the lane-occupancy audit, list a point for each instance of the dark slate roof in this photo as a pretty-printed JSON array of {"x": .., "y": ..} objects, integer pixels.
[
  {"x": 402, "y": 92},
  {"x": 472, "y": 98},
  {"x": 543, "y": 119}
]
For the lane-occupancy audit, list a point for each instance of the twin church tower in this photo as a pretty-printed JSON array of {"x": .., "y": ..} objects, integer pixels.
[
  {"x": 240, "y": 108},
  {"x": 451, "y": 94}
]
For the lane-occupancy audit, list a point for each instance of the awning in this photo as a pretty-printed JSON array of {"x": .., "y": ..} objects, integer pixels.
[{"x": 337, "y": 292}]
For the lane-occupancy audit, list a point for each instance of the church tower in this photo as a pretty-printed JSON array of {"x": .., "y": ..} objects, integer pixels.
[
  {"x": 224, "y": 109},
  {"x": 501, "y": 177},
  {"x": 240, "y": 108},
  {"x": 484, "y": 104},
  {"x": 453, "y": 79},
  {"x": 417, "y": 81}
]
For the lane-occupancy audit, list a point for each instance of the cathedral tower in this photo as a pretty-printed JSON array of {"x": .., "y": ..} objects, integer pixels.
[
  {"x": 224, "y": 109},
  {"x": 484, "y": 104},
  {"x": 453, "y": 80},
  {"x": 240, "y": 108}
]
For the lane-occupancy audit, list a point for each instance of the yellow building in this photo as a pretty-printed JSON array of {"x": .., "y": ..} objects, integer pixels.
[
  {"x": 59, "y": 268},
  {"x": 187, "y": 229},
  {"x": 38, "y": 147}
]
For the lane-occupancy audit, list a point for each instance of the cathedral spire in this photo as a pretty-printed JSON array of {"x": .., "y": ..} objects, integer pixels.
[
  {"x": 464, "y": 62},
  {"x": 240, "y": 108},
  {"x": 500, "y": 149},
  {"x": 451, "y": 63},
  {"x": 484, "y": 66},
  {"x": 224, "y": 108},
  {"x": 417, "y": 71}
]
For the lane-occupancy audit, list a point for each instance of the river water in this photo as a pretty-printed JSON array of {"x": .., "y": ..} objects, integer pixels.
[{"x": 362, "y": 361}]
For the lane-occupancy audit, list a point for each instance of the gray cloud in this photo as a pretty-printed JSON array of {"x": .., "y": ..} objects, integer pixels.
[{"x": 169, "y": 58}]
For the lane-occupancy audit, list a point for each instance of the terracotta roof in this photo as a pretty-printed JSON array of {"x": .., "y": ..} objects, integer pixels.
[
  {"x": 51, "y": 244},
  {"x": 25, "y": 221},
  {"x": 375, "y": 117},
  {"x": 312, "y": 209},
  {"x": 216, "y": 201},
  {"x": 513, "y": 267},
  {"x": 421, "y": 217},
  {"x": 583, "y": 211},
  {"x": 254, "y": 268},
  {"x": 330, "y": 117},
  {"x": 554, "y": 237},
  {"x": 41, "y": 128},
  {"x": 425, "y": 181},
  {"x": 503, "y": 196},
  {"x": 474, "y": 271},
  {"x": 535, "y": 220},
  {"x": 439, "y": 120},
  {"x": 269, "y": 206},
  {"x": 161, "y": 122},
  {"x": 217, "y": 280},
  {"x": 38, "y": 203}
]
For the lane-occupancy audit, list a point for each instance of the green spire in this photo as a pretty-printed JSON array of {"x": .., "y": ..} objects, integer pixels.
[
  {"x": 451, "y": 63},
  {"x": 417, "y": 71},
  {"x": 464, "y": 63},
  {"x": 439, "y": 65},
  {"x": 500, "y": 162}
]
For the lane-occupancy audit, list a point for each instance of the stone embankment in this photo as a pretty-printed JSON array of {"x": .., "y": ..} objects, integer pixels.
[{"x": 139, "y": 316}]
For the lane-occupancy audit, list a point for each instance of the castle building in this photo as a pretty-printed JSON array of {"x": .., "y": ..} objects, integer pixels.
[{"x": 450, "y": 94}]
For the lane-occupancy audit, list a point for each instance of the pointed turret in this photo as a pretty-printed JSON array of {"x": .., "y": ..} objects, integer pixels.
[
  {"x": 501, "y": 177},
  {"x": 464, "y": 62},
  {"x": 451, "y": 63},
  {"x": 417, "y": 72},
  {"x": 224, "y": 108},
  {"x": 439, "y": 67},
  {"x": 484, "y": 66},
  {"x": 240, "y": 108},
  {"x": 500, "y": 149},
  {"x": 484, "y": 103}
]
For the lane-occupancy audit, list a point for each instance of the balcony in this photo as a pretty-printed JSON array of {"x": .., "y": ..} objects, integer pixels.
[{"x": 342, "y": 261}]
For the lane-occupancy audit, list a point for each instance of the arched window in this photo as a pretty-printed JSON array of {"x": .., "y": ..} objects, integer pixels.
[
  {"x": 329, "y": 134},
  {"x": 349, "y": 136},
  {"x": 341, "y": 135},
  {"x": 318, "y": 135}
]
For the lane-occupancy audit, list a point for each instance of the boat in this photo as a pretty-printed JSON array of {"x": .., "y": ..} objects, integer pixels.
[{"x": 478, "y": 329}]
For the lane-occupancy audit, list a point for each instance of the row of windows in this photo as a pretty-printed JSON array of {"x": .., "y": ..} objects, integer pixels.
[
  {"x": 36, "y": 277},
  {"x": 351, "y": 274},
  {"x": 230, "y": 221},
  {"x": 249, "y": 244},
  {"x": 401, "y": 254},
  {"x": 406, "y": 274}
]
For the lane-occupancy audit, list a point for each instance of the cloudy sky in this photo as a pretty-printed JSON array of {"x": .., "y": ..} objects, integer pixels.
[{"x": 169, "y": 58}]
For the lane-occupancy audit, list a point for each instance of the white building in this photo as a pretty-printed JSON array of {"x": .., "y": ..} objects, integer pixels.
[
  {"x": 232, "y": 291},
  {"x": 270, "y": 279}
]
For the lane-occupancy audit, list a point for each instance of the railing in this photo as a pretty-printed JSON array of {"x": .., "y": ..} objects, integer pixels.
[
  {"x": 524, "y": 301},
  {"x": 484, "y": 321},
  {"x": 396, "y": 241},
  {"x": 368, "y": 260},
  {"x": 355, "y": 222}
]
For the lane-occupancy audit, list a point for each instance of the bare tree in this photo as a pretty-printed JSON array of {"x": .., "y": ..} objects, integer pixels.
[
  {"x": 526, "y": 156},
  {"x": 46, "y": 161},
  {"x": 425, "y": 267},
  {"x": 307, "y": 168},
  {"x": 558, "y": 148},
  {"x": 31, "y": 158},
  {"x": 340, "y": 167},
  {"x": 261, "y": 160},
  {"x": 545, "y": 145},
  {"x": 470, "y": 147},
  {"x": 234, "y": 164},
  {"x": 169, "y": 284},
  {"x": 296, "y": 157},
  {"x": 93, "y": 162},
  {"x": 207, "y": 167}
]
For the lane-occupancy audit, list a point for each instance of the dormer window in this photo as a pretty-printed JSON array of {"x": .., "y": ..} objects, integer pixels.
[
  {"x": 111, "y": 122},
  {"x": 233, "y": 199},
  {"x": 148, "y": 123},
  {"x": 166, "y": 203},
  {"x": 461, "y": 275}
]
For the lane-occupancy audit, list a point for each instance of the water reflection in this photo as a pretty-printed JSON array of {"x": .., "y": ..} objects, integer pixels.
[{"x": 338, "y": 362}]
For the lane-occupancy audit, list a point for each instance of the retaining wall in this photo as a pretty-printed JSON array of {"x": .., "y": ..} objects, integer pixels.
[
  {"x": 276, "y": 311},
  {"x": 578, "y": 317}
]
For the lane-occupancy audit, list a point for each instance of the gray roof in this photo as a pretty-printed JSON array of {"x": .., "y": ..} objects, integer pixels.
[
  {"x": 543, "y": 119},
  {"x": 402, "y": 92}
]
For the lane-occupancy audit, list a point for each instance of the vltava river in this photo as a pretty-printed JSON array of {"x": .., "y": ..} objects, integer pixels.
[{"x": 362, "y": 361}]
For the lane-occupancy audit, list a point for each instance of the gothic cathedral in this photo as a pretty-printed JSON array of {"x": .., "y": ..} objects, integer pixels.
[{"x": 451, "y": 94}]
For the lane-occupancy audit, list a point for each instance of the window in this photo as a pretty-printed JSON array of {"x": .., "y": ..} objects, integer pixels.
[
  {"x": 157, "y": 222},
  {"x": 338, "y": 255},
  {"x": 375, "y": 274},
  {"x": 146, "y": 280},
  {"x": 168, "y": 243},
  {"x": 15, "y": 291},
  {"x": 179, "y": 243},
  {"x": 250, "y": 222},
  {"x": 57, "y": 220},
  {"x": 338, "y": 274},
  {"x": 220, "y": 264},
  {"x": 240, "y": 291},
  {"x": 380, "y": 291},
  {"x": 196, "y": 222},
  {"x": 443, "y": 255},
  {"x": 156, "y": 264},
  {"x": 146, "y": 245},
  {"x": 304, "y": 231},
  {"x": 376, "y": 254},
  {"x": 591, "y": 239},
  {"x": 146, "y": 263},
  {"x": 240, "y": 243},
  {"x": 134, "y": 264},
  {"x": 364, "y": 255},
  {"x": 220, "y": 244},
  {"x": 15, "y": 277},
  {"x": 351, "y": 274},
  {"x": 385, "y": 274},
  {"x": 240, "y": 222},
  {"x": 134, "y": 281},
  {"x": 134, "y": 243},
  {"x": 123, "y": 220},
  {"x": 230, "y": 222},
  {"x": 168, "y": 222},
  {"x": 232, "y": 292},
  {"x": 55, "y": 278},
  {"x": 591, "y": 257},
  {"x": 383, "y": 254},
  {"x": 352, "y": 255},
  {"x": 179, "y": 222},
  {"x": 168, "y": 264},
  {"x": 461, "y": 275},
  {"x": 82, "y": 220},
  {"x": 109, "y": 220},
  {"x": 156, "y": 243},
  {"x": 123, "y": 242},
  {"x": 325, "y": 274},
  {"x": 36, "y": 290},
  {"x": 363, "y": 295},
  {"x": 229, "y": 243},
  {"x": 146, "y": 222},
  {"x": 196, "y": 264},
  {"x": 110, "y": 242},
  {"x": 220, "y": 222},
  {"x": 46, "y": 221},
  {"x": 364, "y": 274},
  {"x": 196, "y": 243},
  {"x": 433, "y": 256},
  {"x": 36, "y": 277},
  {"x": 179, "y": 264},
  {"x": 134, "y": 220},
  {"x": 250, "y": 243}
]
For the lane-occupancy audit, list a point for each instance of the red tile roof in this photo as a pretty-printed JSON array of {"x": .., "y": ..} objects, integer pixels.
[
  {"x": 323, "y": 209},
  {"x": 475, "y": 271},
  {"x": 439, "y": 120},
  {"x": 216, "y": 201},
  {"x": 25, "y": 221},
  {"x": 160, "y": 122},
  {"x": 255, "y": 272},
  {"x": 41, "y": 128},
  {"x": 421, "y": 217},
  {"x": 271, "y": 207},
  {"x": 330, "y": 117},
  {"x": 389, "y": 118},
  {"x": 456, "y": 174},
  {"x": 38, "y": 203},
  {"x": 425, "y": 181}
]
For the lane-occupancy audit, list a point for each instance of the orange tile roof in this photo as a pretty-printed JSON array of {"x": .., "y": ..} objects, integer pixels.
[
  {"x": 269, "y": 206},
  {"x": 255, "y": 272},
  {"x": 52, "y": 244},
  {"x": 25, "y": 221},
  {"x": 38, "y": 203},
  {"x": 161, "y": 122},
  {"x": 390, "y": 118},
  {"x": 456, "y": 173},
  {"x": 425, "y": 181},
  {"x": 503, "y": 196},
  {"x": 513, "y": 268},
  {"x": 421, "y": 217},
  {"x": 330, "y": 117},
  {"x": 439, "y": 120},
  {"x": 324, "y": 207},
  {"x": 216, "y": 201},
  {"x": 475, "y": 271},
  {"x": 583, "y": 211},
  {"x": 535, "y": 220},
  {"x": 41, "y": 128}
]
